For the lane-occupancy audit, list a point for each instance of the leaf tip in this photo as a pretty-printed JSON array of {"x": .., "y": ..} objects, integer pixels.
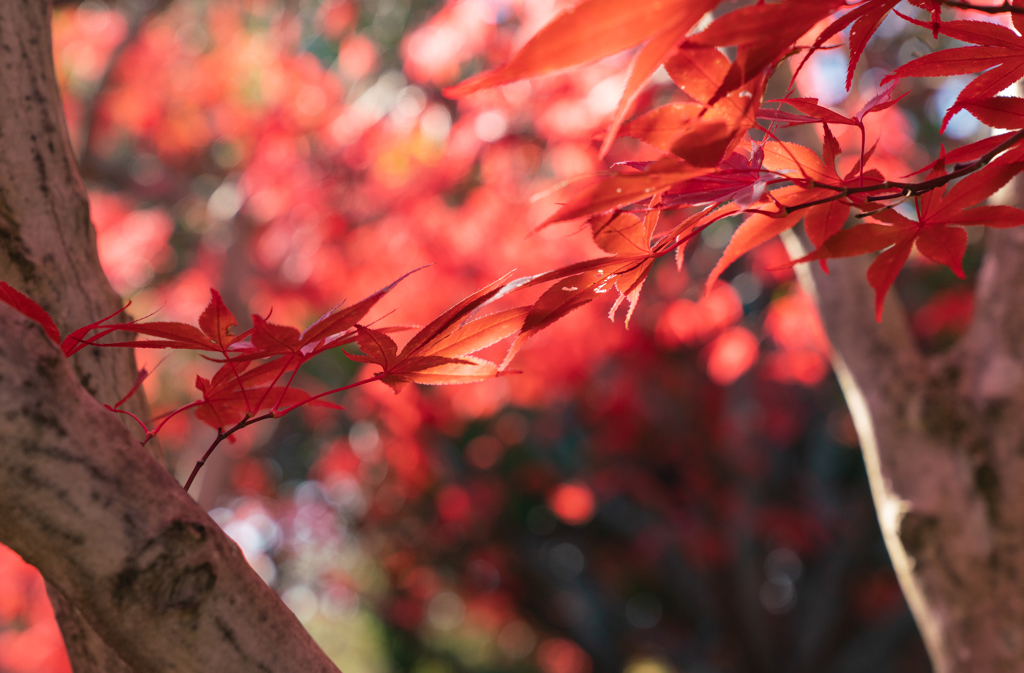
[{"x": 484, "y": 80}]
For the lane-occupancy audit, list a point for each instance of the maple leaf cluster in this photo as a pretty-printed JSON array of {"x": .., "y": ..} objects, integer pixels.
[
  {"x": 711, "y": 160},
  {"x": 259, "y": 365},
  {"x": 717, "y": 156}
]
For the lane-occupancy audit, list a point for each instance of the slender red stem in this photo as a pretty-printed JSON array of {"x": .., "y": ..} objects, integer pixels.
[
  {"x": 170, "y": 416},
  {"x": 221, "y": 436},
  {"x": 246, "y": 422},
  {"x": 128, "y": 413},
  {"x": 288, "y": 385},
  {"x": 284, "y": 368},
  {"x": 281, "y": 412},
  {"x": 238, "y": 378}
]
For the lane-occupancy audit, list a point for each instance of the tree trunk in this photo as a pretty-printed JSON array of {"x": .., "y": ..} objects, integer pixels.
[
  {"x": 943, "y": 443},
  {"x": 152, "y": 574},
  {"x": 137, "y": 572}
]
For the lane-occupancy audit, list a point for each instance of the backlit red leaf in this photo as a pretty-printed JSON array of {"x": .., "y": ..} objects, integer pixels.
[
  {"x": 823, "y": 221},
  {"x": 859, "y": 240},
  {"x": 216, "y": 321},
  {"x": 1001, "y": 112},
  {"x": 380, "y": 349},
  {"x": 649, "y": 59},
  {"x": 795, "y": 162},
  {"x": 472, "y": 370},
  {"x": 586, "y": 32},
  {"x": 478, "y": 334},
  {"x": 705, "y": 143},
  {"x": 340, "y": 320},
  {"x": 996, "y": 217},
  {"x": 169, "y": 334},
  {"x": 883, "y": 271},
  {"x": 447, "y": 321},
  {"x": 78, "y": 339},
  {"x": 944, "y": 245},
  {"x": 698, "y": 71},
  {"x": 810, "y": 107},
  {"x": 1001, "y": 56},
  {"x": 273, "y": 339},
  {"x": 622, "y": 234},
  {"x": 754, "y": 231},
  {"x": 869, "y": 18},
  {"x": 562, "y": 298},
  {"x": 763, "y": 33},
  {"x": 663, "y": 125},
  {"x": 969, "y": 191},
  {"x": 29, "y": 309},
  {"x": 621, "y": 190}
]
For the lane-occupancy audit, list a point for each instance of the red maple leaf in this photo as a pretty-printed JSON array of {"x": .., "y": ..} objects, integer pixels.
[
  {"x": 999, "y": 57},
  {"x": 865, "y": 18},
  {"x": 938, "y": 232},
  {"x": 440, "y": 352},
  {"x": 29, "y": 309},
  {"x": 763, "y": 34}
]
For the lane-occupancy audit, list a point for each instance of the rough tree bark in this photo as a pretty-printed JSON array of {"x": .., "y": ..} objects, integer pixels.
[
  {"x": 943, "y": 442},
  {"x": 137, "y": 572},
  {"x": 153, "y": 575}
]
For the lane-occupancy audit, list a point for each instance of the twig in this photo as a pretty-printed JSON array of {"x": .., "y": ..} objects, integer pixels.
[
  {"x": 908, "y": 189},
  {"x": 278, "y": 413},
  {"x": 223, "y": 434}
]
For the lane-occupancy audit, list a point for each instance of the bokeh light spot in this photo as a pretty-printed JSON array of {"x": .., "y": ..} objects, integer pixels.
[
  {"x": 573, "y": 503},
  {"x": 557, "y": 655}
]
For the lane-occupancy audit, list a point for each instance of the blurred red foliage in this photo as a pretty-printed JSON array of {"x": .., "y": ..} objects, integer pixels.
[{"x": 626, "y": 494}]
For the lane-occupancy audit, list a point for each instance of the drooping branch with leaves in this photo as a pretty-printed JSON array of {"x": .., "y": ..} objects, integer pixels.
[{"x": 939, "y": 434}]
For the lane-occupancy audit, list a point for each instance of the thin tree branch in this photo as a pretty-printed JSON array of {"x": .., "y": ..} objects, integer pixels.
[
  {"x": 908, "y": 189},
  {"x": 223, "y": 434}
]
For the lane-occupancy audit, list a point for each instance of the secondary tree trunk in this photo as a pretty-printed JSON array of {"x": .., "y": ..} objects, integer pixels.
[
  {"x": 943, "y": 442},
  {"x": 137, "y": 572}
]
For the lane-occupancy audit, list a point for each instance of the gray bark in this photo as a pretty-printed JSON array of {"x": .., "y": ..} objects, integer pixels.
[
  {"x": 943, "y": 443},
  {"x": 136, "y": 576}
]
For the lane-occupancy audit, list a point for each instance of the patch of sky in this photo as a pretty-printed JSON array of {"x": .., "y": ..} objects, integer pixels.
[
  {"x": 893, "y": 25},
  {"x": 962, "y": 125},
  {"x": 828, "y": 76}
]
